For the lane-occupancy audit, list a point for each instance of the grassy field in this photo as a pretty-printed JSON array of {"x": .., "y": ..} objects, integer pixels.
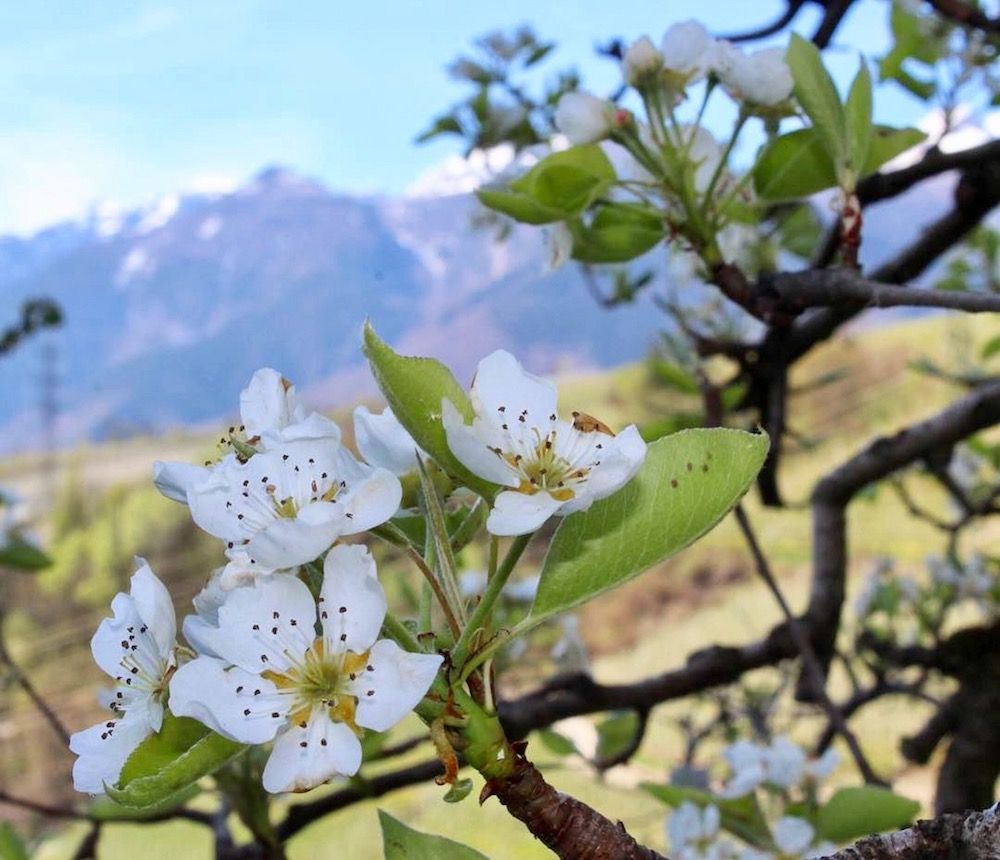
[{"x": 705, "y": 595}]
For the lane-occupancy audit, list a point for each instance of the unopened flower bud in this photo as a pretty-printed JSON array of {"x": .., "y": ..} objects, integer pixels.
[
  {"x": 642, "y": 61},
  {"x": 584, "y": 118}
]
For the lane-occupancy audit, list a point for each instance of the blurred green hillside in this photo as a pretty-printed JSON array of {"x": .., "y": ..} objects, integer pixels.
[{"x": 104, "y": 510}]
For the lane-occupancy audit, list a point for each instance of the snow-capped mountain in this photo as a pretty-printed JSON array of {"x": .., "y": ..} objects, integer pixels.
[{"x": 170, "y": 309}]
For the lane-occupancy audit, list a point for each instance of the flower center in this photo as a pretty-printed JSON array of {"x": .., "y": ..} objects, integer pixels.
[
  {"x": 545, "y": 461},
  {"x": 322, "y": 681}
]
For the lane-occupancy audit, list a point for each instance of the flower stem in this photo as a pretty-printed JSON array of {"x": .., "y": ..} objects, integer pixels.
[
  {"x": 483, "y": 611},
  {"x": 394, "y": 629}
]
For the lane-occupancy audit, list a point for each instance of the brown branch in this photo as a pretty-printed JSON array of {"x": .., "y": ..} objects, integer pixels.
[
  {"x": 301, "y": 815},
  {"x": 775, "y": 26},
  {"x": 67, "y": 812},
  {"x": 844, "y": 289},
  {"x": 966, "y": 14},
  {"x": 977, "y": 193},
  {"x": 976, "y": 411},
  {"x": 975, "y": 836},
  {"x": 832, "y": 18},
  {"x": 573, "y": 830}
]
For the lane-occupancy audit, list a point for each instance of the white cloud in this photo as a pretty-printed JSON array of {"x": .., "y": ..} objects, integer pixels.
[
  {"x": 462, "y": 175},
  {"x": 967, "y": 130}
]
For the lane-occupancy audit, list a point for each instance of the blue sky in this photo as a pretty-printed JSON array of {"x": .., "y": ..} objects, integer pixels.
[{"x": 124, "y": 101}]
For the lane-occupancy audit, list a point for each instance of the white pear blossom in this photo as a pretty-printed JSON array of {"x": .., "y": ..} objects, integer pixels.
[
  {"x": 688, "y": 51},
  {"x": 268, "y": 403},
  {"x": 642, "y": 60},
  {"x": 762, "y": 78},
  {"x": 136, "y": 648},
  {"x": 693, "y": 833},
  {"x": 384, "y": 442},
  {"x": 584, "y": 118},
  {"x": 793, "y": 837},
  {"x": 288, "y": 503},
  {"x": 782, "y": 764},
  {"x": 271, "y": 677},
  {"x": 550, "y": 466}
]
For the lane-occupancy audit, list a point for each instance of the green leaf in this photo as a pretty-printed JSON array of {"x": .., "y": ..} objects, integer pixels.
[
  {"x": 673, "y": 376},
  {"x": 170, "y": 761},
  {"x": 855, "y": 812},
  {"x": 618, "y": 233},
  {"x": 400, "y": 842},
  {"x": 520, "y": 207},
  {"x": 106, "y": 809},
  {"x": 815, "y": 90},
  {"x": 688, "y": 482},
  {"x": 991, "y": 348},
  {"x": 459, "y": 791},
  {"x": 414, "y": 388},
  {"x": 740, "y": 816},
  {"x": 858, "y": 116},
  {"x": 446, "y": 124},
  {"x": 616, "y": 734},
  {"x": 22, "y": 555},
  {"x": 11, "y": 845},
  {"x": 887, "y": 143},
  {"x": 793, "y": 165},
  {"x": 556, "y": 743},
  {"x": 589, "y": 159}
]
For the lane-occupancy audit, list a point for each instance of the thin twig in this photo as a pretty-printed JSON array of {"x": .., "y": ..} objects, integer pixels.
[
  {"x": 809, "y": 659},
  {"x": 36, "y": 698}
]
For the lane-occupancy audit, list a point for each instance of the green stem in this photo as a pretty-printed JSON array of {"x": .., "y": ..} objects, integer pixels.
[
  {"x": 483, "y": 611},
  {"x": 424, "y": 614},
  {"x": 439, "y": 592},
  {"x": 393, "y": 534},
  {"x": 394, "y": 629},
  {"x": 469, "y": 526},
  {"x": 721, "y": 166}
]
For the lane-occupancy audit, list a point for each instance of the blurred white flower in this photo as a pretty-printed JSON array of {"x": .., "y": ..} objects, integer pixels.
[
  {"x": 761, "y": 78},
  {"x": 792, "y": 835},
  {"x": 688, "y": 50},
  {"x": 584, "y": 118},
  {"x": 641, "y": 61}
]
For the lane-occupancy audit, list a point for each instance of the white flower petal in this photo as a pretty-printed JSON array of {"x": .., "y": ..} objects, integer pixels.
[
  {"x": 397, "y": 682},
  {"x": 502, "y": 383},
  {"x": 785, "y": 762},
  {"x": 304, "y": 758},
  {"x": 268, "y": 624},
  {"x": 235, "y": 703},
  {"x": 471, "y": 448},
  {"x": 353, "y": 603},
  {"x": 583, "y": 117},
  {"x": 103, "y": 750},
  {"x": 383, "y": 441},
  {"x": 687, "y": 49},
  {"x": 269, "y": 403},
  {"x": 621, "y": 457},
  {"x": 517, "y": 513},
  {"x": 825, "y": 765},
  {"x": 106, "y": 644},
  {"x": 314, "y": 428},
  {"x": 793, "y": 835},
  {"x": 155, "y": 608},
  {"x": 641, "y": 60},
  {"x": 374, "y": 501},
  {"x": 290, "y": 542},
  {"x": 684, "y": 825},
  {"x": 175, "y": 479}
]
